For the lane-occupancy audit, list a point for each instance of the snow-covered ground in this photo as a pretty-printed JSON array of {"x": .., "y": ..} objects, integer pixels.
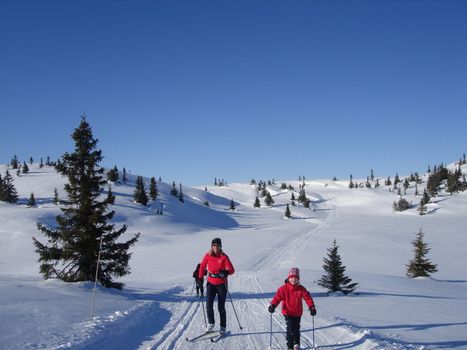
[{"x": 158, "y": 309}]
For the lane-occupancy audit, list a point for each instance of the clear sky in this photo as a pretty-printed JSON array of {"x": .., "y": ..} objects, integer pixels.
[{"x": 193, "y": 90}]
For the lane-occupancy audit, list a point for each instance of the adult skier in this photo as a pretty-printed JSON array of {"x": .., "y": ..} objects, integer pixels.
[
  {"x": 219, "y": 267},
  {"x": 291, "y": 294},
  {"x": 198, "y": 281}
]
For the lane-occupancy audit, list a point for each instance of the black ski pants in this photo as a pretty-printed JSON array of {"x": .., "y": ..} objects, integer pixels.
[
  {"x": 293, "y": 330},
  {"x": 211, "y": 291}
]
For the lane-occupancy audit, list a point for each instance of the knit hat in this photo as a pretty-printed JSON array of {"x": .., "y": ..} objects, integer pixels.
[
  {"x": 294, "y": 272},
  {"x": 216, "y": 241}
]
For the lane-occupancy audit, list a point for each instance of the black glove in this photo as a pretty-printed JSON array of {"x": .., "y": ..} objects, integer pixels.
[
  {"x": 223, "y": 273},
  {"x": 312, "y": 311},
  {"x": 271, "y": 308}
]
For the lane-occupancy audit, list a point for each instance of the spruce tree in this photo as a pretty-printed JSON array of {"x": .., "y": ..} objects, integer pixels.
[
  {"x": 83, "y": 229},
  {"x": 335, "y": 280},
  {"x": 14, "y": 162},
  {"x": 302, "y": 195},
  {"x": 425, "y": 197},
  {"x": 9, "y": 193},
  {"x": 153, "y": 189},
  {"x": 268, "y": 200},
  {"x": 174, "y": 191},
  {"x": 110, "y": 196},
  {"x": 288, "y": 214},
  {"x": 56, "y": 200},
  {"x": 112, "y": 175},
  {"x": 124, "y": 177},
  {"x": 419, "y": 266},
  {"x": 180, "y": 195},
  {"x": 351, "y": 184},
  {"x": 25, "y": 168},
  {"x": 1, "y": 189},
  {"x": 257, "y": 203},
  {"x": 140, "y": 195},
  {"x": 31, "y": 200},
  {"x": 422, "y": 209}
]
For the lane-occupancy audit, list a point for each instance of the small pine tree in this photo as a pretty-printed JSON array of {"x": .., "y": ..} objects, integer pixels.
[
  {"x": 14, "y": 162},
  {"x": 206, "y": 203},
  {"x": 174, "y": 191},
  {"x": 153, "y": 189},
  {"x": 419, "y": 266},
  {"x": 110, "y": 196},
  {"x": 140, "y": 195},
  {"x": 112, "y": 175},
  {"x": 401, "y": 205},
  {"x": 180, "y": 195},
  {"x": 1, "y": 189},
  {"x": 9, "y": 193},
  {"x": 268, "y": 200},
  {"x": 257, "y": 203},
  {"x": 124, "y": 177},
  {"x": 31, "y": 201},
  {"x": 288, "y": 214},
  {"x": 25, "y": 168},
  {"x": 422, "y": 209},
  {"x": 426, "y": 197},
  {"x": 56, "y": 200},
  {"x": 388, "y": 181},
  {"x": 302, "y": 195},
  {"x": 335, "y": 280}
]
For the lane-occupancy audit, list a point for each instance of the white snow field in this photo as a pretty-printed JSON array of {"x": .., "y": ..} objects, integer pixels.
[{"x": 158, "y": 308}]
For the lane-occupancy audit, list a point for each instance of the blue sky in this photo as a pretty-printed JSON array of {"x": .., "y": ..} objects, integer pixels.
[{"x": 193, "y": 90}]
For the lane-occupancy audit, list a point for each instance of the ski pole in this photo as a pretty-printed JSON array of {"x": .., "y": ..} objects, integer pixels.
[
  {"x": 313, "y": 320},
  {"x": 95, "y": 281},
  {"x": 204, "y": 312},
  {"x": 270, "y": 332},
  {"x": 235, "y": 312},
  {"x": 192, "y": 288}
]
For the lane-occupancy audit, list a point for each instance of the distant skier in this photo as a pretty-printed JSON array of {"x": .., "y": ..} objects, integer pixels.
[
  {"x": 198, "y": 281},
  {"x": 291, "y": 294},
  {"x": 219, "y": 267}
]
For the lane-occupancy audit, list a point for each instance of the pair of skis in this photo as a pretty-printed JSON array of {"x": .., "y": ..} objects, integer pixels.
[{"x": 213, "y": 336}]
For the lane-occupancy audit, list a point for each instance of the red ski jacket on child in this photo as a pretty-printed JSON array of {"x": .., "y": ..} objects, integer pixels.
[
  {"x": 291, "y": 297},
  {"x": 215, "y": 264}
]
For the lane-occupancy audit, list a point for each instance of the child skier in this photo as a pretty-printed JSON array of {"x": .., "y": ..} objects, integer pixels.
[{"x": 291, "y": 294}]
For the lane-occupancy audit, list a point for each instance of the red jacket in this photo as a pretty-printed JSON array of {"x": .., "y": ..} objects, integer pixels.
[
  {"x": 291, "y": 297},
  {"x": 215, "y": 264}
]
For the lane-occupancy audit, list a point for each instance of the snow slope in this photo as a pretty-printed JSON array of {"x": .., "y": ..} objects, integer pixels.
[{"x": 158, "y": 309}]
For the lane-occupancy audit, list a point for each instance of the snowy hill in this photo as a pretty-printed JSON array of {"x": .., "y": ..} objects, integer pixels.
[{"x": 157, "y": 309}]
